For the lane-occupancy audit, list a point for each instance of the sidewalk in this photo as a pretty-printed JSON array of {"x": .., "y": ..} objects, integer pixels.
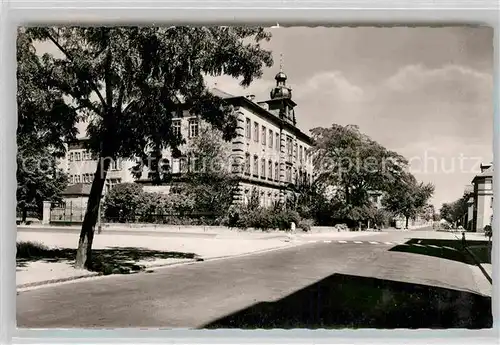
[{"x": 139, "y": 250}]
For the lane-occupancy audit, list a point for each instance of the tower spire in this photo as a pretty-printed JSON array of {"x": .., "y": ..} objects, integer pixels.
[{"x": 281, "y": 62}]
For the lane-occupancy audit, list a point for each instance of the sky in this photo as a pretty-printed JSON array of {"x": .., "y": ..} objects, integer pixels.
[{"x": 426, "y": 93}]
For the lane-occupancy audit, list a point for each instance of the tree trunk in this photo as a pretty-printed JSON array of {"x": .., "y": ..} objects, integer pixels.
[
  {"x": 84, "y": 251},
  {"x": 407, "y": 219}
]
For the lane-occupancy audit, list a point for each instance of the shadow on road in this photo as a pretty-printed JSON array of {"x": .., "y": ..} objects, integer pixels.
[
  {"x": 113, "y": 260},
  {"x": 346, "y": 301},
  {"x": 445, "y": 249}
]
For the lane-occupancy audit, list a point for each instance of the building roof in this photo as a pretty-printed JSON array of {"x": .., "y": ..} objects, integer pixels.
[
  {"x": 77, "y": 189},
  {"x": 221, "y": 94},
  {"x": 485, "y": 174}
]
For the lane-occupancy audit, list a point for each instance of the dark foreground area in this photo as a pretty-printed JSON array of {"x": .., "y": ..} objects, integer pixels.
[{"x": 346, "y": 301}]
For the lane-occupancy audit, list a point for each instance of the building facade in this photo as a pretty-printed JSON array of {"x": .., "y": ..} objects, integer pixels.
[
  {"x": 270, "y": 154},
  {"x": 483, "y": 198}
]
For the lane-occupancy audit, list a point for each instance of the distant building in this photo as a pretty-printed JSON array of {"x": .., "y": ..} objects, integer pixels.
[
  {"x": 270, "y": 154},
  {"x": 483, "y": 198}
]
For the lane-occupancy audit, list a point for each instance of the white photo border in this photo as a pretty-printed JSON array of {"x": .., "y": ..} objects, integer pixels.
[{"x": 287, "y": 13}]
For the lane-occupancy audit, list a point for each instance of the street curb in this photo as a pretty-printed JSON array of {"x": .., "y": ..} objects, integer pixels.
[
  {"x": 55, "y": 281},
  {"x": 46, "y": 283},
  {"x": 477, "y": 261}
]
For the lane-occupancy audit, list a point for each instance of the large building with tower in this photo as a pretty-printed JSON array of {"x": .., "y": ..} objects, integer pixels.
[{"x": 270, "y": 154}]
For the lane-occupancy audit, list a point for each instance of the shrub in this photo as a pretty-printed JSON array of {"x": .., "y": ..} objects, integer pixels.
[
  {"x": 305, "y": 224},
  {"x": 341, "y": 227},
  {"x": 488, "y": 231},
  {"x": 27, "y": 250},
  {"x": 123, "y": 202},
  {"x": 261, "y": 218}
]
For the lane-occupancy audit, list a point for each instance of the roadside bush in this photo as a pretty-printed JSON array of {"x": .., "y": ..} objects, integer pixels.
[
  {"x": 488, "y": 231},
  {"x": 341, "y": 227},
  {"x": 261, "y": 218},
  {"x": 123, "y": 202},
  {"x": 27, "y": 250},
  {"x": 305, "y": 224}
]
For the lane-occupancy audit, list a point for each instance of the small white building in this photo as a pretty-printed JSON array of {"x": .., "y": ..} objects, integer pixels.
[{"x": 483, "y": 198}]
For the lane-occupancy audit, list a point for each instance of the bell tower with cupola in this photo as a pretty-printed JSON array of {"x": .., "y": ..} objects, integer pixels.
[{"x": 281, "y": 103}]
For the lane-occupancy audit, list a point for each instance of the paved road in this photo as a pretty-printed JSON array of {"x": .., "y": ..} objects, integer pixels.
[{"x": 313, "y": 285}]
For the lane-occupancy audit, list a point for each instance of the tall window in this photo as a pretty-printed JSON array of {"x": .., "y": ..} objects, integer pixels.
[
  {"x": 270, "y": 170},
  {"x": 256, "y": 165},
  {"x": 288, "y": 174},
  {"x": 300, "y": 153},
  {"x": 263, "y": 168},
  {"x": 264, "y": 135},
  {"x": 289, "y": 147},
  {"x": 295, "y": 151},
  {"x": 247, "y": 163},
  {"x": 193, "y": 128},
  {"x": 278, "y": 142},
  {"x": 114, "y": 165},
  {"x": 78, "y": 156},
  {"x": 276, "y": 171},
  {"x": 256, "y": 132},
  {"x": 271, "y": 138},
  {"x": 248, "y": 129},
  {"x": 176, "y": 124},
  {"x": 71, "y": 157}
]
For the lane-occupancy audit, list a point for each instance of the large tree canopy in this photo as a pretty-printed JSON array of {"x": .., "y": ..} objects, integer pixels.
[
  {"x": 128, "y": 83},
  {"x": 454, "y": 212},
  {"x": 45, "y": 122},
  {"x": 408, "y": 197},
  {"x": 353, "y": 165},
  {"x": 210, "y": 182}
]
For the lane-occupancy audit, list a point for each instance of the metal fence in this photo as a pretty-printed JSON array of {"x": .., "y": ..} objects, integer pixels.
[
  {"x": 68, "y": 213},
  {"x": 31, "y": 214},
  {"x": 199, "y": 218}
]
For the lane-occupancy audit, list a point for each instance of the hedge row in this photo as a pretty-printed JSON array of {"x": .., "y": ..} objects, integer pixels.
[{"x": 266, "y": 219}]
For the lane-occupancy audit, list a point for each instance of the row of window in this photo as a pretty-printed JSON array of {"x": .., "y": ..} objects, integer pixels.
[
  {"x": 114, "y": 164},
  {"x": 265, "y": 199},
  {"x": 193, "y": 128},
  {"x": 271, "y": 173},
  {"x": 262, "y": 134},
  {"x": 81, "y": 156},
  {"x": 270, "y": 170},
  {"x": 268, "y": 138},
  {"x": 83, "y": 178}
]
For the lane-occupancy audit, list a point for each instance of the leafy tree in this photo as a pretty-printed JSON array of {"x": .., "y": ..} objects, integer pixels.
[
  {"x": 454, "y": 212},
  {"x": 45, "y": 123},
  {"x": 352, "y": 165},
  {"x": 128, "y": 82},
  {"x": 38, "y": 180},
  {"x": 408, "y": 197},
  {"x": 210, "y": 181}
]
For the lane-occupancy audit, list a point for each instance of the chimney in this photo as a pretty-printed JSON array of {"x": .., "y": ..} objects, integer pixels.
[
  {"x": 485, "y": 167},
  {"x": 251, "y": 97}
]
